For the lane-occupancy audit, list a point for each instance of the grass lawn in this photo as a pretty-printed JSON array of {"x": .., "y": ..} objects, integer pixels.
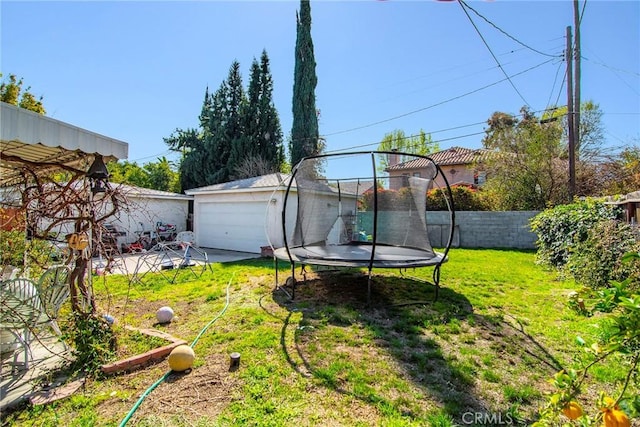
[{"x": 486, "y": 348}]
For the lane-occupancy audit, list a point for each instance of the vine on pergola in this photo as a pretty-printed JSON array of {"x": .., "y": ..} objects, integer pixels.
[{"x": 56, "y": 209}]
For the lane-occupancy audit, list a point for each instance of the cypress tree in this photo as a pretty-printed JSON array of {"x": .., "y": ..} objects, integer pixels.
[{"x": 304, "y": 131}]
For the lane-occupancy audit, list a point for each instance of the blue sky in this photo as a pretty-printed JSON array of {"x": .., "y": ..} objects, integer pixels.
[{"x": 136, "y": 71}]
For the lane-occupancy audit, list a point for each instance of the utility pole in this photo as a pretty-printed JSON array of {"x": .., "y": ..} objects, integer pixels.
[
  {"x": 571, "y": 117},
  {"x": 573, "y": 98},
  {"x": 576, "y": 80}
]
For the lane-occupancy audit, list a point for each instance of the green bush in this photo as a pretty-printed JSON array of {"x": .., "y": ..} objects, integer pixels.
[
  {"x": 465, "y": 198},
  {"x": 561, "y": 228},
  {"x": 94, "y": 342},
  {"x": 31, "y": 256},
  {"x": 617, "y": 310},
  {"x": 597, "y": 260}
]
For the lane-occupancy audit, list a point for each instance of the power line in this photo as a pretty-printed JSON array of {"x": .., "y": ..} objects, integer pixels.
[
  {"x": 434, "y": 105},
  {"x": 616, "y": 72},
  {"x": 464, "y": 6},
  {"x": 154, "y": 156},
  {"x": 431, "y": 133},
  {"x": 406, "y": 137},
  {"x": 507, "y": 34},
  {"x": 555, "y": 80}
]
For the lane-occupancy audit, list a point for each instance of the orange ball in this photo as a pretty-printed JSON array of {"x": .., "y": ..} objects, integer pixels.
[{"x": 181, "y": 358}]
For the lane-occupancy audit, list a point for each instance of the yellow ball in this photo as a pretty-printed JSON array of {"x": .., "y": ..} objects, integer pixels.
[{"x": 181, "y": 358}]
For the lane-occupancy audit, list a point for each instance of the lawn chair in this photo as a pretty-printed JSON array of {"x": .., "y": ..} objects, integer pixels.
[
  {"x": 26, "y": 305},
  {"x": 21, "y": 311},
  {"x": 54, "y": 291},
  {"x": 186, "y": 237}
]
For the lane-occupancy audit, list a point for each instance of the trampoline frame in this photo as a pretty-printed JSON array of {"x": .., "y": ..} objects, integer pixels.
[{"x": 288, "y": 253}]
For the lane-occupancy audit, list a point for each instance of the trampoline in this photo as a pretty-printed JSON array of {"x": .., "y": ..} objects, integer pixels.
[{"x": 363, "y": 210}]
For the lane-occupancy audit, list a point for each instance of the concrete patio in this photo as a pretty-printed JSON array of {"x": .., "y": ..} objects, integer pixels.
[
  {"x": 143, "y": 262},
  {"x": 19, "y": 385}
]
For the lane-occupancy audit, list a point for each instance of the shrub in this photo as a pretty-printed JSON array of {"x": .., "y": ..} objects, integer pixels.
[
  {"x": 465, "y": 198},
  {"x": 94, "y": 342},
  {"x": 387, "y": 200},
  {"x": 617, "y": 310},
  {"x": 561, "y": 228},
  {"x": 31, "y": 256},
  {"x": 596, "y": 260}
]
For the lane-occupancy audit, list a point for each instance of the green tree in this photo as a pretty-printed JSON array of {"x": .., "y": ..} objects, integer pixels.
[
  {"x": 190, "y": 144},
  {"x": 421, "y": 144},
  {"x": 223, "y": 127},
  {"x": 588, "y": 151},
  {"x": 245, "y": 146},
  {"x": 260, "y": 150},
  {"x": 270, "y": 132},
  {"x": 128, "y": 173},
  {"x": 161, "y": 175},
  {"x": 621, "y": 173},
  {"x": 527, "y": 170},
  {"x": 239, "y": 134},
  {"x": 11, "y": 92},
  {"x": 155, "y": 175},
  {"x": 305, "y": 139}
]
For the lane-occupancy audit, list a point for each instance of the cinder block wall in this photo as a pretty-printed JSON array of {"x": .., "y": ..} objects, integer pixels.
[{"x": 476, "y": 229}]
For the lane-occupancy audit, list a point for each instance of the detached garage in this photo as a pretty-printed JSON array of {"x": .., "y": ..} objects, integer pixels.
[{"x": 236, "y": 215}]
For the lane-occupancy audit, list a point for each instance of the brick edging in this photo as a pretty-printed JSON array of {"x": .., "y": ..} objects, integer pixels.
[{"x": 134, "y": 362}]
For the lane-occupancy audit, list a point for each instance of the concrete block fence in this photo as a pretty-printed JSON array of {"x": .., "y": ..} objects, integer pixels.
[
  {"x": 474, "y": 229},
  {"x": 479, "y": 229}
]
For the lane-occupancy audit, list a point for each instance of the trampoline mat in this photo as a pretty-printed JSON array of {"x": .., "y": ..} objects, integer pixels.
[{"x": 354, "y": 255}]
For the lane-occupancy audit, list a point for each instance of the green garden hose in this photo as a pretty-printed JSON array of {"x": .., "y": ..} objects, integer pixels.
[{"x": 148, "y": 391}]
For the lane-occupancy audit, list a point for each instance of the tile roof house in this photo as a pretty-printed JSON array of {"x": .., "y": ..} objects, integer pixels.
[{"x": 461, "y": 166}]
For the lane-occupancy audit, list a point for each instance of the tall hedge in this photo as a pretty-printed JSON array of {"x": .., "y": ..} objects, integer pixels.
[{"x": 563, "y": 227}]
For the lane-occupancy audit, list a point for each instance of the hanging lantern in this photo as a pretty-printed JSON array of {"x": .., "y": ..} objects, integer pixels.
[{"x": 98, "y": 175}]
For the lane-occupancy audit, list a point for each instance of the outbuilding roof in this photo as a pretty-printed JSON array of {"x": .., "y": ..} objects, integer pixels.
[
  {"x": 133, "y": 191},
  {"x": 633, "y": 197},
  {"x": 262, "y": 182}
]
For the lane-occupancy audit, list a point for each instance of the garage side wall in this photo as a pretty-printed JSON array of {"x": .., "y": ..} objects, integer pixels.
[{"x": 144, "y": 213}]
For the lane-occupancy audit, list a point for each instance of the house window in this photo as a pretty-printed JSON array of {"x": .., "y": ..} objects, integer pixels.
[
  {"x": 480, "y": 177},
  {"x": 405, "y": 179},
  {"x": 416, "y": 174}
]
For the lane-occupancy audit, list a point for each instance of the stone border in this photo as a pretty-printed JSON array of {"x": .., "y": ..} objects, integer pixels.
[{"x": 151, "y": 356}]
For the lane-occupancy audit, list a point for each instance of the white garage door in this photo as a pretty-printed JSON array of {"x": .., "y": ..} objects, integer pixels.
[{"x": 237, "y": 226}]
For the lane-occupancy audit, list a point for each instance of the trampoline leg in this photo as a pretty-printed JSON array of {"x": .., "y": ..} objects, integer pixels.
[
  {"x": 436, "y": 280},
  {"x": 275, "y": 264},
  {"x": 369, "y": 288},
  {"x": 293, "y": 281}
]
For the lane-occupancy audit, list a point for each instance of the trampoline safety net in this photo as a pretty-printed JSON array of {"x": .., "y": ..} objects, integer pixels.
[{"x": 364, "y": 209}]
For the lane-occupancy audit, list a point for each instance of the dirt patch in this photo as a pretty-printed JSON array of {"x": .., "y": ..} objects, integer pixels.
[{"x": 200, "y": 393}]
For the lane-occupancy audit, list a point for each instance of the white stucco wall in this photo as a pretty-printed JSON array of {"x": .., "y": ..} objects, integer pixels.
[{"x": 148, "y": 211}]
